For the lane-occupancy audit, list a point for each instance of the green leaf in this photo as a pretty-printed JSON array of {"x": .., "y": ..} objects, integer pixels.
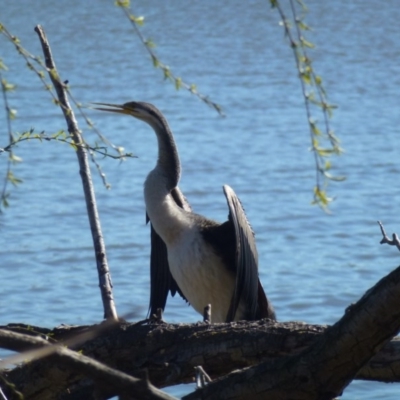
[
  {"x": 123, "y": 3},
  {"x": 3, "y": 66},
  {"x": 334, "y": 178},
  {"x": 328, "y": 165},
  {"x": 8, "y": 87},
  {"x": 305, "y": 75},
  {"x": 13, "y": 179},
  {"x": 178, "y": 83},
  {"x": 156, "y": 63},
  {"x": 150, "y": 44},
  {"x": 12, "y": 113},
  {"x": 167, "y": 73},
  {"x": 137, "y": 20},
  {"x": 321, "y": 196},
  {"x": 305, "y": 43},
  {"x": 303, "y": 26},
  {"x": 324, "y": 152},
  {"x": 73, "y": 145},
  {"x": 315, "y": 130},
  {"x": 14, "y": 158},
  {"x": 5, "y": 202}
]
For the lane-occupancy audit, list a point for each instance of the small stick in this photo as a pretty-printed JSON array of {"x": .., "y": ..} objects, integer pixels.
[
  {"x": 202, "y": 378},
  {"x": 392, "y": 242},
  {"x": 105, "y": 284},
  {"x": 207, "y": 314}
]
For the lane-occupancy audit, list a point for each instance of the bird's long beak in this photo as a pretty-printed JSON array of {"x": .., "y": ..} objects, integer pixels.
[{"x": 120, "y": 109}]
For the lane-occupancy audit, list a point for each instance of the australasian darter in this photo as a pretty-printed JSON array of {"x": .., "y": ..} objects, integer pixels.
[{"x": 206, "y": 262}]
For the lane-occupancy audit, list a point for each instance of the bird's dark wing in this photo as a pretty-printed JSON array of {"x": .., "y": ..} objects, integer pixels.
[
  {"x": 246, "y": 259},
  {"x": 161, "y": 280},
  {"x": 248, "y": 286}
]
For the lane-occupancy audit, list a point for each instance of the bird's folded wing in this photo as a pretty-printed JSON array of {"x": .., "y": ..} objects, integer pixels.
[
  {"x": 161, "y": 280},
  {"x": 246, "y": 259}
]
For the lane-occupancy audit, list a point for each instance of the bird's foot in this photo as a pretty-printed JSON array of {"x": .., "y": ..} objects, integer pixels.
[{"x": 157, "y": 318}]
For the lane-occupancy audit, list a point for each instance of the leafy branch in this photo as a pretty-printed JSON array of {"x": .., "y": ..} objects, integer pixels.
[
  {"x": 324, "y": 143},
  {"x": 138, "y": 21},
  {"x": 36, "y": 64},
  {"x": 63, "y": 137},
  {"x": 12, "y": 158}
]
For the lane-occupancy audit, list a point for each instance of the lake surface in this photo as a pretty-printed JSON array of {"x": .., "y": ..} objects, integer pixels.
[{"x": 312, "y": 265}]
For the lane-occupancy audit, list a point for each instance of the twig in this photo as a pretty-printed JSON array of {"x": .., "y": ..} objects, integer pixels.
[
  {"x": 113, "y": 380},
  {"x": 309, "y": 79},
  {"x": 99, "y": 246},
  {"x": 102, "y": 150},
  {"x": 392, "y": 242},
  {"x": 4, "y": 194},
  {"x": 148, "y": 44},
  {"x": 202, "y": 378},
  {"x": 3, "y": 396},
  {"x": 207, "y": 314}
]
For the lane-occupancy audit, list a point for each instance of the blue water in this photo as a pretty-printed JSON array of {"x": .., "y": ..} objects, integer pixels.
[{"x": 312, "y": 265}]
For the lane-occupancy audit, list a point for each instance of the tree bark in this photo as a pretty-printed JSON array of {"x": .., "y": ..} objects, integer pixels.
[
  {"x": 323, "y": 370},
  {"x": 219, "y": 348},
  {"x": 280, "y": 360}
]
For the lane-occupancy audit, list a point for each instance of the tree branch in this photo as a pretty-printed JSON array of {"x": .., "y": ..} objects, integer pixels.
[
  {"x": 394, "y": 242},
  {"x": 94, "y": 220},
  {"x": 171, "y": 353},
  {"x": 306, "y": 361},
  {"x": 323, "y": 370},
  {"x": 106, "y": 379}
]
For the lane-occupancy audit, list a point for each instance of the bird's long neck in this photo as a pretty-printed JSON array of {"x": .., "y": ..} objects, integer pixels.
[
  {"x": 168, "y": 159},
  {"x": 165, "y": 215}
]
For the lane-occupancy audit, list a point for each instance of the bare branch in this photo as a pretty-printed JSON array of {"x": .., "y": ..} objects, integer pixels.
[
  {"x": 98, "y": 241},
  {"x": 105, "y": 377},
  {"x": 323, "y": 370},
  {"x": 171, "y": 353},
  {"x": 392, "y": 242}
]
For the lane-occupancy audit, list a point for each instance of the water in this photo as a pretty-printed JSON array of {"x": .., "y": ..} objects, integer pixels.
[{"x": 312, "y": 265}]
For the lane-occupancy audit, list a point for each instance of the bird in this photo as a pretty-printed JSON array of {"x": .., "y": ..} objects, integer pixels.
[{"x": 205, "y": 261}]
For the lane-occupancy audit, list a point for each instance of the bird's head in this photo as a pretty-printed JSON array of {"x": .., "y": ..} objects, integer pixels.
[{"x": 140, "y": 110}]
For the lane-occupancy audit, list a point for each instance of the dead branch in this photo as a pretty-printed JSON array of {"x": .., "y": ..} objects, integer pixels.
[
  {"x": 323, "y": 370},
  {"x": 90, "y": 198},
  {"x": 220, "y": 348},
  {"x": 392, "y": 242},
  {"x": 106, "y": 379},
  {"x": 302, "y": 354}
]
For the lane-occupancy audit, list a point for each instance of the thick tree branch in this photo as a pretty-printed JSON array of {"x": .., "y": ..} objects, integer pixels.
[
  {"x": 323, "y": 370},
  {"x": 218, "y": 348},
  {"x": 305, "y": 361},
  {"x": 106, "y": 379},
  {"x": 94, "y": 220}
]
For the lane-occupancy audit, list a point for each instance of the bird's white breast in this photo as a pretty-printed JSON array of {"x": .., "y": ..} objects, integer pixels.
[
  {"x": 200, "y": 274},
  {"x": 198, "y": 271}
]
